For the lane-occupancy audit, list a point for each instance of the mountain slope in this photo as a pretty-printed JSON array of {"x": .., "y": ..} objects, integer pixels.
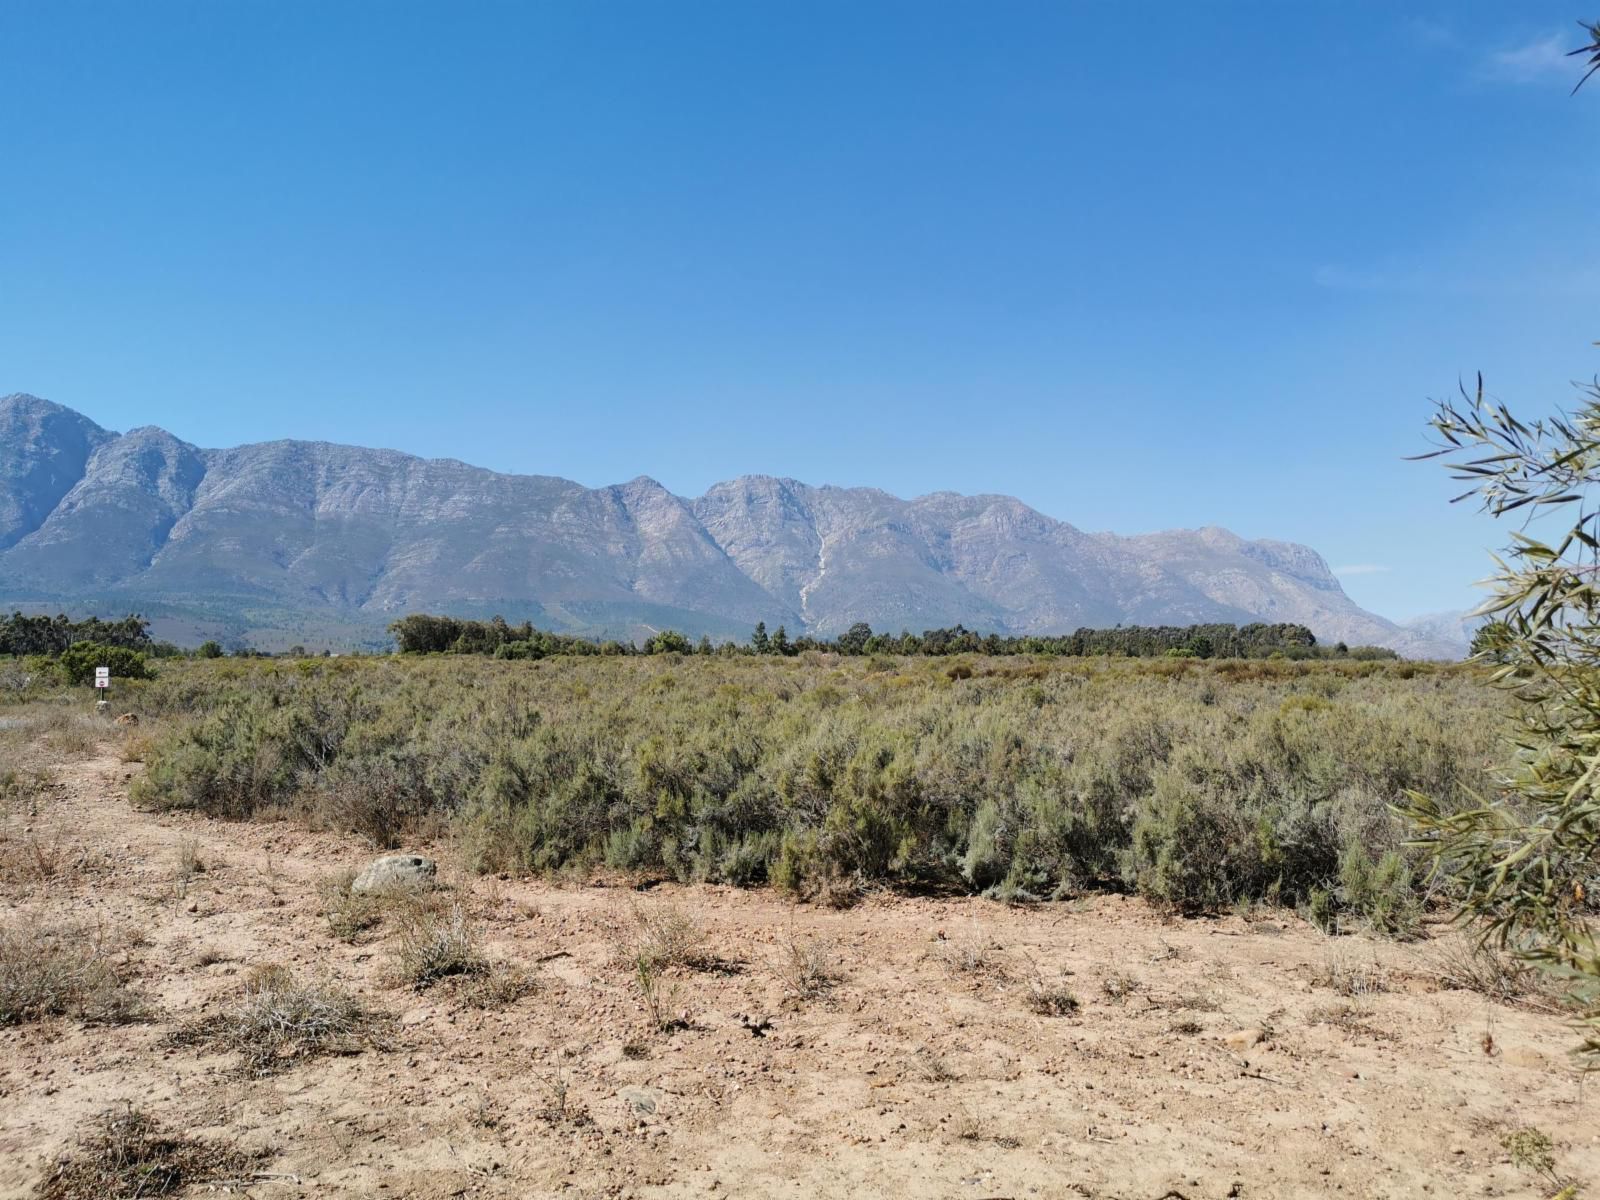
[
  {"x": 297, "y": 537},
  {"x": 44, "y": 451}
]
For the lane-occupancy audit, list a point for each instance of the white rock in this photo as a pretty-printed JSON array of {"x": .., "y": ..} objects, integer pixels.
[{"x": 395, "y": 872}]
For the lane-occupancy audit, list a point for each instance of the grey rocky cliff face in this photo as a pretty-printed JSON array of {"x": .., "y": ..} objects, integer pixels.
[
  {"x": 324, "y": 532},
  {"x": 44, "y": 451}
]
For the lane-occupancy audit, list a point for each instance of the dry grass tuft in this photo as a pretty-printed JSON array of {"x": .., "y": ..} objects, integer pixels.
[
  {"x": 280, "y": 1019},
  {"x": 1046, "y": 996},
  {"x": 210, "y": 956},
  {"x": 968, "y": 1125},
  {"x": 440, "y": 942},
  {"x": 1349, "y": 1019},
  {"x": 930, "y": 1066},
  {"x": 31, "y": 858},
  {"x": 1118, "y": 986},
  {"x": 1460, "y": 962},
  {"x": 659, "y": 995},
  {"x": 21, "y": 789},
  {"x": 664, "y": 936},
  {"x": 350, "y": 913},
  {"x": 805, "y": 967},
  {"x": 74, "y": 736},
  {"x": 187, "y": 864},
  {"x": 1349, "y": 977},
  {"x": 496, "y": 987},
  {"x": 61, "y": 970},
  {"x": 38, "y": 859},
  {"x": 437, "y": 943},
  {"x": 972, "y": 954},
  {"x": 125, "y": 1153}
]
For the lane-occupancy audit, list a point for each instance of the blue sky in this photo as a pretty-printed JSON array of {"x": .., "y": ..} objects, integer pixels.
[{"x": 1143, "y": 266}]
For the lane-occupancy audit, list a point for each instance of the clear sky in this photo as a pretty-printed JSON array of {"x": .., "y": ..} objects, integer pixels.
[{"x": 1143, "y": 266}]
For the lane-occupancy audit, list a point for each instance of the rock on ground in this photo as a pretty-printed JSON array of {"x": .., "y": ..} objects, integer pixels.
[{"x": 396, "y": 871}]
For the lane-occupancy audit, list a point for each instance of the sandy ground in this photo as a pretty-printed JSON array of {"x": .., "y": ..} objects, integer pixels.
[{"x": 1230, "y": 1068}]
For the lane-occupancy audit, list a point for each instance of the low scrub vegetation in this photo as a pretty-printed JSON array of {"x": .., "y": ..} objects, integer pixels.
[
  {"x": 805, "y": 968},
  {"x": 49, "y": 970},
  {"x": 662, "y": 936},
  {"x": 1198, "y": 784},
  {"x": 21, "y": 789},
  {"x": 1463, "y": 961},
  {"x": 279, "y": 1019},
  {"x": 438, "y": 942},
  {"x": 125, "y": 1153},
  {"x": 350, "y": 913},
  {"x": 1048, "y": 996}
]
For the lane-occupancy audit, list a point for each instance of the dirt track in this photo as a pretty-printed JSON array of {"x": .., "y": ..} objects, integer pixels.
[{"x": 912, "y": 1077}]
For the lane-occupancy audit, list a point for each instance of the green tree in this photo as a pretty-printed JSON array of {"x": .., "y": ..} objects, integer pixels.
[
  {"x": 780, "y": 641},
  {"x": 668, "y": 641},
  {"x": 210, "y": 650},
  {"x": 759, "y": 642},
  {"x": 1492, "y": 641},
  {"x": 854, "y": 640}
]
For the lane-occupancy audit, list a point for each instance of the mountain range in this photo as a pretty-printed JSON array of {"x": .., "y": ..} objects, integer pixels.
[{"x": 308, "y": 542}]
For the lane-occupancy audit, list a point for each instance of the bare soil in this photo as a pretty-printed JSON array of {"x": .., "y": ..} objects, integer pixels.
[{"x": 1207, "y": 1058}]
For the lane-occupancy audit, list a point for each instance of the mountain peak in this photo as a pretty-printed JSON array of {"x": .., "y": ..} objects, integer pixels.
[{"x": 26, "y": 404}]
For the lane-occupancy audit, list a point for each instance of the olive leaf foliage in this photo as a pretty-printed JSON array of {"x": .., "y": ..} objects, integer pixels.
[{"x": 1523, "y": 862}]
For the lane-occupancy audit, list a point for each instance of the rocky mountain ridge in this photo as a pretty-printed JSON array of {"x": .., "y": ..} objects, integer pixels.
[{"x": 270, "y": 540}]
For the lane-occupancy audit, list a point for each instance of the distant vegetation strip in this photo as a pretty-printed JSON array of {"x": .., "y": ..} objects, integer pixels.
[
  {"x": 422, "y": 633},
  {"x": 72, "y": 649}
]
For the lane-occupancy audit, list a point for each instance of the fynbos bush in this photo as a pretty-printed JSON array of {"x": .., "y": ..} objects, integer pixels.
[{"x": 1200, "y": 784}]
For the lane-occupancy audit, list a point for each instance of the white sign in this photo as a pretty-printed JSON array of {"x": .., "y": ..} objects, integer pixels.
[{"x": 102, "y": 677}]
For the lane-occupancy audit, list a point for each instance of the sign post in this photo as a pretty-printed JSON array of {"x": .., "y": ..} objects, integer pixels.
[{"x": 102, "y": 684}]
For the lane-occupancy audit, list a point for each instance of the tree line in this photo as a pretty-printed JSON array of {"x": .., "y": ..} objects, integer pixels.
[
  {"x": 1217, "y": 640},
  {"x": 421, "y": 633},
  {"x": 21, "y": 634}
]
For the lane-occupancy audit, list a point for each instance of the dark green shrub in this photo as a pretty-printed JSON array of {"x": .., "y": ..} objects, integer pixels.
[
  {"x": 77, "y": 662},
  {"x": 383, "y": 796},
  {"x": 231, "y": 763},
  {"x": 1379, "y": 890}
]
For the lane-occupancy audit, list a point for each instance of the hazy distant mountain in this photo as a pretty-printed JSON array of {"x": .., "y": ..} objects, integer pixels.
[
  {"x": 1450, "y": 629},
  {"x": 305, "y": 541}
]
